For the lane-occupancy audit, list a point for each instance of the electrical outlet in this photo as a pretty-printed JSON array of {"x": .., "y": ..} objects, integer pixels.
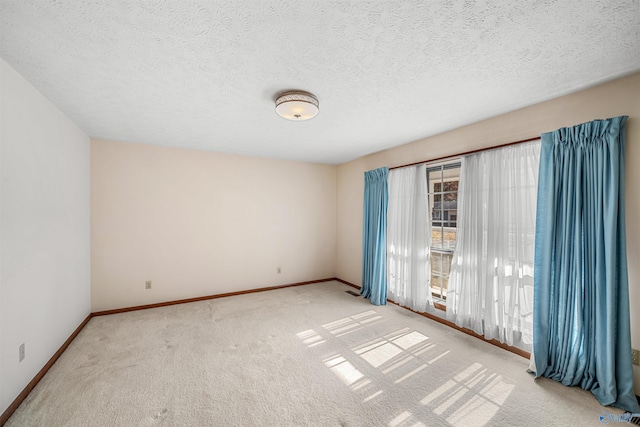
[
  {"x": 21, "y": 353},
  {"x": 635, "y": 356},
  {"x": 279, "y": 270},
  {"x": 147, "y": 284}
]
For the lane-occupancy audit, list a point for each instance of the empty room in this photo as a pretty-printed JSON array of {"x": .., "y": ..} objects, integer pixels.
[{"x": 319, "y": 213}]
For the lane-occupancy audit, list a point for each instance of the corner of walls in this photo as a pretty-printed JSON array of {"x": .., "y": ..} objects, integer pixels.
[
  {"x": 350, "y": 198},
  {"x": 334, "y": 268},
  {"x": 44, "y": 231}
]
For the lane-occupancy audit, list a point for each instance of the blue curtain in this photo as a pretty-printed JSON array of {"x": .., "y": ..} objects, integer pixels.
[
  {"x": 374, "y": 236},
  {"x": 581, "y": 297}
]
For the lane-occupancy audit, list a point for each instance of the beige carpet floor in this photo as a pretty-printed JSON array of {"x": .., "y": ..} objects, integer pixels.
[{"x": 307, "y": 355}]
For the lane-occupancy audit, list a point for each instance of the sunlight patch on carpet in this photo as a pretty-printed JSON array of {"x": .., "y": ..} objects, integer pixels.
[
  {"x": 398, "y": 364},
  {"x": 435, "y": 359},
  {"x": 311, "y": 338},
  {"x": 380, "y": 354},
  {"x": 373, "y": 396},
  {"x": 489, "y": 391},
  {"x": 410, "y": 374},
  {"x": 409, "y": 340},
  {"x": 352, "y": 324},
  {"x": 406, "y": 418},
  {"x": 344, "y": 370},
  {"x": 477, "y": 411}
]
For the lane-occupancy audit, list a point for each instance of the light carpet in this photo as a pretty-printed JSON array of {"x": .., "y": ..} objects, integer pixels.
[{"x": 307, "y": 355}]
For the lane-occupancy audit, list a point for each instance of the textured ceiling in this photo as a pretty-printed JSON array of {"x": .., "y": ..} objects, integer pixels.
[{"x": 204, "y": 74}]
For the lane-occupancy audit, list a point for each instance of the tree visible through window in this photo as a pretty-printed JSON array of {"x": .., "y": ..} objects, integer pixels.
[{"x": 442, "y": 182}]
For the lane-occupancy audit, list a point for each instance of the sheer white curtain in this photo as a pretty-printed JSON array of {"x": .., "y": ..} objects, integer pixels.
[
  {"x": 491, "y": 285},
  {"x": 409, "y": 238}
]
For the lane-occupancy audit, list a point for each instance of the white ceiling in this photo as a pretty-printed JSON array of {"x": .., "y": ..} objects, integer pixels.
[{"x": 204, "y": 74}]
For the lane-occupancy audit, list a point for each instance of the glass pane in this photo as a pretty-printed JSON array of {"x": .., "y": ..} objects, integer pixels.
[
  {"x": 449, "y": 239},
  {"x": 435, "y": 178},
  {"x": 436, "y": 267},
  {"x": 446, "y": 263},
  {"x": 436, "y": 237},
  {"x": 436, "y": 282},
  {"x": 451, "y": 186},
  {"x": 453, "y": 219},
  {"x": 449, "y": 208},
  {"x": 451, "y": 171},
  {"x": 445, "y": 282},
  {"x": 450, "y": 197}
]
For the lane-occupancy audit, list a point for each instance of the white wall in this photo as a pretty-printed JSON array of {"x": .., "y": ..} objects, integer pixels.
[
  {"x": 616, "y": 98},
  {"x": 44, "y": 231},
  {"x": 199, "y": 223}
]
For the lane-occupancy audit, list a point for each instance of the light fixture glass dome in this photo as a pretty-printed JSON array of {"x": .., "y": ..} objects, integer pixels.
[{"x": 297, "y": 105}]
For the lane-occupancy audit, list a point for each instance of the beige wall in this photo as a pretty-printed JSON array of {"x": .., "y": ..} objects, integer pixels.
[
  {"x": 44, "y": 231},
  {"x": 199, "y": 223},
  {"x": 620, "y": 97}
]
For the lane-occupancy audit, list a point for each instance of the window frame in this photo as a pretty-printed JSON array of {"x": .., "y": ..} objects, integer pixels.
[{"x": 443, "y": 222}]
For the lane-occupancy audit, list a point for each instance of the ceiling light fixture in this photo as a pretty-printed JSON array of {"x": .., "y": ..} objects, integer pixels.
[{"x": 297, "y": 105}]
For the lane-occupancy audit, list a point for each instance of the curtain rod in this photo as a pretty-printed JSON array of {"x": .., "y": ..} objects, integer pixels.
[{"x": 467, "y": 152}]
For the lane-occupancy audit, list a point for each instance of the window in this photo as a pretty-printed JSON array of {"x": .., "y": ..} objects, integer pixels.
[{"x": 442, "y": 181}]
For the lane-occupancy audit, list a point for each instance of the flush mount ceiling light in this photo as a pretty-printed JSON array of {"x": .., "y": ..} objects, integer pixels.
[{"x": 297, "y": 105}]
